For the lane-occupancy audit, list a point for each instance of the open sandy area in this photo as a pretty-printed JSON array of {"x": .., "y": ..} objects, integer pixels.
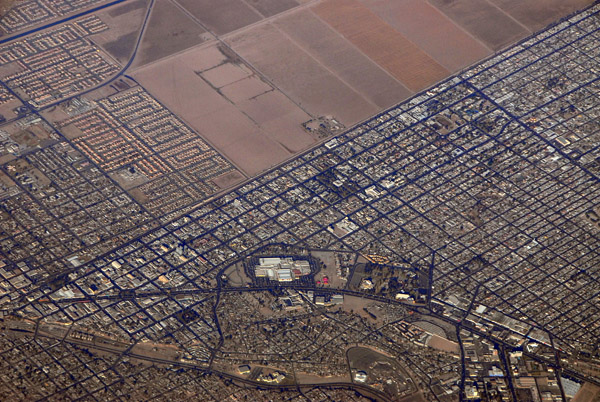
[
  {"x": 301, "y": 76},
  {"x": 357, "y": 305},
  {"x": 439, "y": 343},
  {"x": 254, "y": 125},
  {"x": 587, "y": 393},
  {"x": 307, "y": 378},
  {"x": 125, "y": 22},
  {"x": 6, "y": 5},
  {"x": 246, "y": 88},
  {"x": 168, "y": 31}
]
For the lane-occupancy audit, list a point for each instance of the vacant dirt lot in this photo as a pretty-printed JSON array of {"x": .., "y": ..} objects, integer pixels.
[
  {"x": 300, "y": 76},
  {"x": 279, "y": 118},
  {"x": 382, "y": 43},
  {"x": 127, "y": 8},
  {"x": 587, "y": 393},
  {"x": 225, "y": 74},
  {"x": 228, "y": 179},
  {"x": 125, "y": 22},
  {"x": 6, "y": 5},
  {"x": 168, "y": 31},
  {"x": 254, "y": 132},
  {"x": 245, "y": 89},
  {"x": 440, "y": 343}
]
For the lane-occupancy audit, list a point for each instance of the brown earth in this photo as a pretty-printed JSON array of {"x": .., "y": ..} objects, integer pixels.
[
  {"x": 587, "y": 393},
  {"x": 255, "y": 133},
  {"x": 127, "y": 8},
  {"x": 5, "y": 6},
  {"x": 225, "y": 74},
  {"x": 344, "y": 58},
  {"x": 124, "y": 22},
  {"x": 168, "y": 31},
  {"x": 351, "y": 65},
  {"x": 272, "y": 7},
  {"x": 443, "y": 40},
  {"x": 483, "y": 20},
  {"x": 221, "y": 16},
  {"x": 446, "y": 345},
  {"x": 382, "y": 43},
  {"x": 245, "y": 89},
  {"x": 536, "y": 14},
  {"x": 299, "y": 75}
]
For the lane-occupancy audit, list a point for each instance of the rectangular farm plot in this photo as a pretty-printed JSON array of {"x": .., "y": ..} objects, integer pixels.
[
  {"x": 236, "y": 136},
  {"x": 245, "y": 89},
  {"x": 255, "y": 152},
  {"x": 383, "y": 44},
  {"x": 125, "y": 22},
  {"x": 483, "y": 20},
  {"x": 272, "y": 7},
  {"x": 340, "y": 56},
  {"x": 536, "y": 14},
  {"x": 203, "y": 59},
  {"x": 280, "y": 118},
  {"x": 432, "y": 31},
  {"x": 226, "y": 73},
  {"x": 298, "y": 74},
  {"x": 168, "y": 31},
  {"x": 221, "y": 16}
]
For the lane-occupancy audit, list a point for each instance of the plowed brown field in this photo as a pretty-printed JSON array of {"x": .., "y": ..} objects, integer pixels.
[{"x": 382, "y": 43}]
